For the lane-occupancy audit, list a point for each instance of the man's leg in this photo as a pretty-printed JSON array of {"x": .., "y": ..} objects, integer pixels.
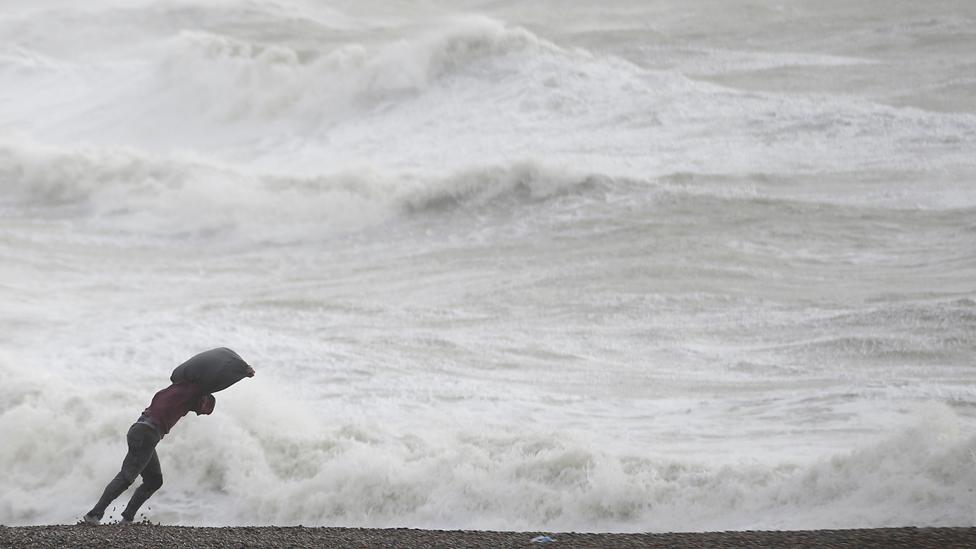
[
  {"x": 142, "y": 440},
  {"x": 152, "y": 479}
]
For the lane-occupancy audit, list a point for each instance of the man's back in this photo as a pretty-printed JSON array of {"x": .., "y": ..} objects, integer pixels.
[{"x": 173, "y": 402}]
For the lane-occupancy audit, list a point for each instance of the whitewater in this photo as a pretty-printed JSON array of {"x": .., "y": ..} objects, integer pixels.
[{"x": 549, "y": 265}]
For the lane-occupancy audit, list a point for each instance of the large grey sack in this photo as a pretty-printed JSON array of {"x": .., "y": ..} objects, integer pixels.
[{"x": 214, "y": 370}]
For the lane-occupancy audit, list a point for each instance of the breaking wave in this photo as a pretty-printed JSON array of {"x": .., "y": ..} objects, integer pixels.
[
  {"x": 131, "y": 193},
  {"x": 230, "y": 80},
  {"x": 281, "y": 466}
]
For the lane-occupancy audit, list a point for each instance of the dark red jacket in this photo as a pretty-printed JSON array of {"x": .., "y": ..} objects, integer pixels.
[{"x": 173, "y": 402}]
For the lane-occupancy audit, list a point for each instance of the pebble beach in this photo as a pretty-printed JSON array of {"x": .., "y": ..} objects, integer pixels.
[{"x": 144, "y": 535}]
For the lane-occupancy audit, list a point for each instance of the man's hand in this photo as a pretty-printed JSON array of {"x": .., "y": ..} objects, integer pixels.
[
  {"x": 250, "y": 372},
  {"x": 206, "y": 405}
]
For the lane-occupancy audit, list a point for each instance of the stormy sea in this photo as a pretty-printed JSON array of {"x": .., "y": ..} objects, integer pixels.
[{"x": 625, "y": 266}]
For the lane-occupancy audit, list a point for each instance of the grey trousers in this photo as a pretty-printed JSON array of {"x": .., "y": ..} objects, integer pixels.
[{"x": 140, "y": 460}]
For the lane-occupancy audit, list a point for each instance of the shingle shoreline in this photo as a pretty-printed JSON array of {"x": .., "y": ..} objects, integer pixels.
[{"x": 145, "y": 535}]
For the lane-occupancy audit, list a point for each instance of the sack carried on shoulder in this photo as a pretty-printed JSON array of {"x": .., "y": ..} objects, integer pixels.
[{"x": 214, "y": 370}]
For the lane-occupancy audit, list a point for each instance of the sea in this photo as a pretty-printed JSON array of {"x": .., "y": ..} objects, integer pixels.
[{"x": 540, "y": 265}]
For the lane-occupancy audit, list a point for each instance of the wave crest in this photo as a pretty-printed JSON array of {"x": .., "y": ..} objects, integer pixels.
[
  {"x": 231, "y": 79},
  {"x": 521, "y": 183},
  {"x": 126, "y": 192}
]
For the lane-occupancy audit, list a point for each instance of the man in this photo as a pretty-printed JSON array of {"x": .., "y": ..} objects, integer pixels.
[{"x": 194, "y": 381}]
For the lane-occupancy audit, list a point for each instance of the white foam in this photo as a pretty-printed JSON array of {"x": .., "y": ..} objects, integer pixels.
[{"x": 266, "y": 457}]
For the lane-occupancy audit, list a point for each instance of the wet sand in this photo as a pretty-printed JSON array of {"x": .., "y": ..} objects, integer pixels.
[{"x": 146, "y": 535}]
